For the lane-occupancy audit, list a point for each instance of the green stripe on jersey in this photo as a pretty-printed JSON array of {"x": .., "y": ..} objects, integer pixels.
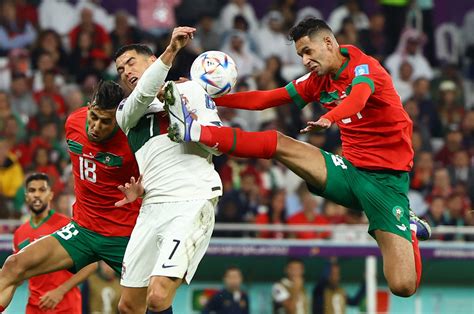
[
  {"x": 297, "y": 99},
  {"x": 328, "y": 97},
  {"x": 147, "y": 127},
  {"x": 23, "y": 244},
  {"x": 364, "y": 79},
  {"x": 74, "y": 146}
]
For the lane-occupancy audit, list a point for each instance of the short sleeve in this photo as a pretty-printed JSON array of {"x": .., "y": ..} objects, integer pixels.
[
  {"x": 365, "y": 73},
  {"x": 300, "y": 90},
  {"x": 280, "y": 293}
]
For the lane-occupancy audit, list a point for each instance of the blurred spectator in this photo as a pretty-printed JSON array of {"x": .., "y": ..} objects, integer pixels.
[
  {"x": 23, "y": 103},
  {"x": 81, "y": 59},
  {"x": 395, "y": 14},
  {"x": 410, "y": 50},
  {"x": 11, "y": 173},
  {"x": 467, "y": 127},
  {"x": 422, "y": 173},
  {"x": 455, "y": 215},
  {"x": 449, "y": 108},
  {"x": 124, "y": 33},
  {"x": 232, "y": 299},
  {"x": 411, "y": 107},
  {"x": 26, "y": 12},
  {"x": 48, "y": 138},
  {"x": 328, "y": 295},
  {"x": 334, "y": 213},
  {"x": 50, "y": 90},
  {"x": 237, "y": 46},
  {"x": 101, "y": 292},
  {"x": 460, "y": 170},
  {"x": 270, "y": 174},
  {"x": 241, "y": 24},
  {"x": 14, "y": 33},
  {"x": 373, "y": 41},
  {"x": 46, "y": 65},
  {"x": 441, "y": 184},
  {"x": 288, "y": 8},
  {"x": 157, "y": 17},
  {"x": 74, "y": 98},
  {"x": 101, "y": 16},
  {"x": 207, "y": 38},
  {"x": 100, "y": 37},
  {"x": 437, "y": 214},
  {"x": 42, "y": 163},
  {"x": 63, "y": 204},
  {"x": 237, "y": 7},
  {"x": 289, "y": 295},
  {"x": 404, "y": 83},
  {"x": 348, "y": 35},
  {"x": 228, "y": 212},
  {"x": 58, "y": 15},
  {"x": 428, "y": 114},
  {"x": 49, "y": 42},
  {"x": 308, "y": 216},
  {"x": 452, "y": 143},
  {"x": 350, "y": 9},
  {"x": 274, "y": 214},
  {"x": 47, "y": 114}
]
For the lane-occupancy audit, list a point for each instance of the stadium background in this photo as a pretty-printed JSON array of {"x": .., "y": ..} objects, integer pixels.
[{"x": 44, "y": 75}]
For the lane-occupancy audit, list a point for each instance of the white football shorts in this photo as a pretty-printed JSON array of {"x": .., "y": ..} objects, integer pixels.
[{"x": 169, "y": 239}]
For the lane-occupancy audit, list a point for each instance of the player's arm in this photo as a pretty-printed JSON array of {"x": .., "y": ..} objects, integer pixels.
[
  {"x": 255, "y": 100},
  {"x": 53, "y": 297},
  {"x": 151, "y": 81}
]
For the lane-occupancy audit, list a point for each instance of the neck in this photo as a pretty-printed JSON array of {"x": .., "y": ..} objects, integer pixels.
[
  {"x": 36, "y": 219},
  {"x": 338, "y": 62}
]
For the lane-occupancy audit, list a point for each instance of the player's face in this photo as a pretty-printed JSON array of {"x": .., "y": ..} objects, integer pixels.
[
  {"x": 315, "y": 52},
  {"x": 131, "y": 65},
  {"x": 295, "y": 269},
  {"x": 38, "y": 196},
  {"x": 101, "y": 123},
  {"x": 233, "y": 279}
]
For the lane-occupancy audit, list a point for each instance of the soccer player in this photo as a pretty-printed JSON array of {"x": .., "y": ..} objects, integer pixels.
[
  {"x": 99, "y": 230},
  {"x": 55, "y": 292},
  {"x": 180, "y": 183},
  {"x": 372, "y": 175}
]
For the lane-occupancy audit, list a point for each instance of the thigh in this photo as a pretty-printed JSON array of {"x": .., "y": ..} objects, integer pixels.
[
  {"x": 80, "y": 243},
  {"x": 43, "y": 256},
  {"x": 398, "y": 258},
  {"x": 303, "y": 159},
  {"x": 185, "y": 239},
  {"x": 142, "y": 249}
]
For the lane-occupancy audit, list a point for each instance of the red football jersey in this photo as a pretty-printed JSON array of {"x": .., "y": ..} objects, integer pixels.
[
  {"x": 39, "y": 285},
  {"x": 99, "y": 168},
  {"x": 379, "y": 136}
]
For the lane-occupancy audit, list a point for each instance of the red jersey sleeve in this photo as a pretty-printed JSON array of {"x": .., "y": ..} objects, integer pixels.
[
  {"x": 302, "y": 90},
  {"x": 255, "y": 100}
]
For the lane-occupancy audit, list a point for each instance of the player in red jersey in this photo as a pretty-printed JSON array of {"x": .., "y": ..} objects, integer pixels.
[
  {"x": 56, "y": 292},
  {"x": 101, "y": 161},
  {"x": 372, "y": 174}
]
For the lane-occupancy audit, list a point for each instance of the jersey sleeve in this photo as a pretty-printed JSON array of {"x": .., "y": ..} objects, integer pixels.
[
  {"x": 280, "y": 293},
  {"x": 366, "y": 72},
  {"x": 302, "y": 90},
  {"x": 135, "y": 105}
]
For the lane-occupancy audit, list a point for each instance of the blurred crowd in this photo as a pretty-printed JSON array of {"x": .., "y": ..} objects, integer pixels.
[{"x": 53, "y": 53}]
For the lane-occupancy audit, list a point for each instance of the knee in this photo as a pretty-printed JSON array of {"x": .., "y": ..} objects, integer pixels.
[
  {"x": 127, "y": 306},
  {"x": 403, "y": 288},
  {"x": 14, "y": 267},
  {"x": 158, "y": 298}
]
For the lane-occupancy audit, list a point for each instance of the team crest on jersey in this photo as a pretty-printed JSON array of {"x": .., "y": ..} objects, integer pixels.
[
  {"x": 362, "y": 69},
  {"x": 397, "y": 211}
]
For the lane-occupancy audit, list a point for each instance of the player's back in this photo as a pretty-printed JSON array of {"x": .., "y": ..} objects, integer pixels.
[
  {"x": 174, "y": 171},
  {"x": 99, "y": 168},
  {"x": 39, "y": 285}
]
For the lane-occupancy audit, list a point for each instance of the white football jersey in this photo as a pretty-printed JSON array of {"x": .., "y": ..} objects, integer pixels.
[{"x": 171, "y": 171}]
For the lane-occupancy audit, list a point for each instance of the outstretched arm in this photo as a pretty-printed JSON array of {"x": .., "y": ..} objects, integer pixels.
[
  {"x": 255, "y": 100},
  {"x": 52, "y": 298},
  {"x": 151, "y": 81}
]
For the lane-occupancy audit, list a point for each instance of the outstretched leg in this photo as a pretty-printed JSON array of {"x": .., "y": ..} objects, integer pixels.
[{"x": 41, "y": 257}]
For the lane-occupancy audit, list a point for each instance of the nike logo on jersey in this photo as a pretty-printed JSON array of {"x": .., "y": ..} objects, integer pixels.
[
  {"x": 168, "y": 266},
  {"x": 402, "y": 227}
]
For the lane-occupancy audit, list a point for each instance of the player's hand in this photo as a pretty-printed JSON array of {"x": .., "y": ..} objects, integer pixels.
[
  {"x": 132, "y": 191},
  {"x": 50, "y": 299},
  {"x": 181, "y": 37},
  {"x": 321, "y": 124}
]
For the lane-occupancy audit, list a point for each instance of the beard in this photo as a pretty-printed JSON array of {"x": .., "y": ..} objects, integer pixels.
[{"x": 38, "y": 211}]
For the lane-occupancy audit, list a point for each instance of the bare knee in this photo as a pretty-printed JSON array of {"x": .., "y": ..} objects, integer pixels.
[
  {"x": 127, "y": 306},
  {"x": 403, "y": 287},
  {"x": 159, "y": 297},
  {"x": 14, "y": 269}
]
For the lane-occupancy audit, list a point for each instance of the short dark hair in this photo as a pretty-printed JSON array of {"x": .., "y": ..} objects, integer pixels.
[
  {"x": 139, "y": 48},
  {"x": 107, "y": 95},
  {"x": 294, "y": 260},
  {"x": 231, "y": 268},
  {"x": 308, "y": 27},
  {"x": 37, "y": 176}
]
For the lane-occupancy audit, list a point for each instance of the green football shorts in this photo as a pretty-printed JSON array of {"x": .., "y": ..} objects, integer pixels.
[
  {"x": 382, "y": 195},
  {"x": 86, "y": 247}
]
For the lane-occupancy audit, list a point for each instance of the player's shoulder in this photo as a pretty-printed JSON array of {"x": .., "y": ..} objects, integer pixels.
[
  {"x": 360, "y": 63},
  {"x": 77, "y": 117},
  {"x": 59, "y": 218}
]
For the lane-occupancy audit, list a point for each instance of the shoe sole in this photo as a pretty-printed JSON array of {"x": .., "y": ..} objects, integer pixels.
[{"x": 170, "y": 100}]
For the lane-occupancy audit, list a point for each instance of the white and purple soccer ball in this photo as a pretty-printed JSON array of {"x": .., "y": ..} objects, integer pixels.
[{"x": 215, "y": 71}]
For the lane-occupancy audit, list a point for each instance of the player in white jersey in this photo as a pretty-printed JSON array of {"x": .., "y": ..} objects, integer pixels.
[{"x": 180, "y": 184}]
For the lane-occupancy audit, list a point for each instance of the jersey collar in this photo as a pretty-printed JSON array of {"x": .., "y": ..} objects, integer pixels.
[
  {"x": 345, "y": 53},
  {"x": 45, "y": 219}
]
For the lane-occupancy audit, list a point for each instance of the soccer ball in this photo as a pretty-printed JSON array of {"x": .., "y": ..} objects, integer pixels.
[{"x": 215, "y": 71}]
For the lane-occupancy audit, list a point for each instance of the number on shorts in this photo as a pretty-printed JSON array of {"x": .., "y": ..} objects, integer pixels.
[
  {"x": 68, "y": 231},
  {"x": 87, "y": 169},
  {"x": 338, "y": 161},
  {"x": 175, "y": 247}
]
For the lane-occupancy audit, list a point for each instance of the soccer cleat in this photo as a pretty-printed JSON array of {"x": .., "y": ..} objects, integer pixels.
[
  {"x": 421, "y": 227},
  {"x": 180, "y": 118}
]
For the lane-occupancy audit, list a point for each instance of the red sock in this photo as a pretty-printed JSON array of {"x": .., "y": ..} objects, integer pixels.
[
  {"x": 236, "y": 142},
  {"x": 2, "y": 309},
  {"x": 416, "y": 251}
]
